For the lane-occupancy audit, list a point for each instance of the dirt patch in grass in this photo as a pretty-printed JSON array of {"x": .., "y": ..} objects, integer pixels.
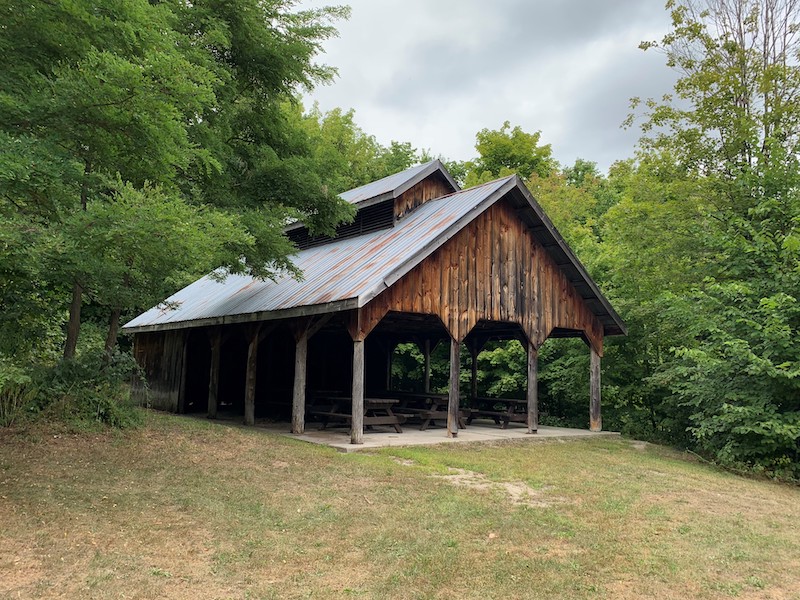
[{"x": 518, "y": 492}]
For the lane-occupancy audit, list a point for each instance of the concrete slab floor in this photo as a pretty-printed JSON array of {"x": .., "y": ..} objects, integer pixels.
[{"x": 382, "y": 437}]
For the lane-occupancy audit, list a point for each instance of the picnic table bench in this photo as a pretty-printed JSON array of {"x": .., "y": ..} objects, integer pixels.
[
  {"x": 426, "y": 406},
  {"x": 501, "y": 410},
  {"x": 377, "y": 411}
]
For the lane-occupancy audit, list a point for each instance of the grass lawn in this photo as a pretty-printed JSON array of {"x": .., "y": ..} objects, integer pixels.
[{"x": 183, "y": 508}]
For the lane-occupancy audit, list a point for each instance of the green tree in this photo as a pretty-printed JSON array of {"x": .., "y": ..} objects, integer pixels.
[
  {"x": 121, "y": 254},
  {"x": 506, "y": 151},
  {"x": 346, "y": 156},
  {"x": 733, "y": 130},
  {"x": 180, "y": 102}
]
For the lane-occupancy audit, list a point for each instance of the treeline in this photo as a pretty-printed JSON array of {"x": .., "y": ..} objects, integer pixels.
[{"x": 142, "y": 145}]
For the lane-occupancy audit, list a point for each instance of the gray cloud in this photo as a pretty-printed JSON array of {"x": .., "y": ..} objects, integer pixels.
[{"x": 434, "y": 73}]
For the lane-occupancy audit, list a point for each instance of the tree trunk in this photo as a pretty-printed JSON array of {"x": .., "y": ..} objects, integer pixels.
[
  {"x": 74, "y": 323},
  {"x": 111, "y": 338}
]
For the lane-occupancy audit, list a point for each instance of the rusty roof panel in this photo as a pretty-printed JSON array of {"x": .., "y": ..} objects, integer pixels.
[{"x": 342, "y": 270}]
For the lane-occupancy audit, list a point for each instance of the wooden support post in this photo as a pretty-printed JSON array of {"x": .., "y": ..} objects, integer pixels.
[
  {"x": 299, "y": 391},
  {"x": 473, "y": 352},
  {"x": 595, "y": 419},
  {"x": 426, "y": 354},
  {"x": 533, "y": 391},
  {"x": 357, "y": 419},
  {"x": 213, "y": 374},
  {"x": 250, "y": 381},
  {"x": 453, "y": 400}
]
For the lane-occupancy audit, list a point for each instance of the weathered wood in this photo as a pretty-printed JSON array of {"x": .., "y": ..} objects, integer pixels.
[
  {"x": 317, "y": 323},
  {"x": 453, "y": 398},
  {"x": 430, "y": 188},
  {"x": 160, "y": 356},
  {"x": 357, "y": 419},
  {"x": 299, "y": 387},
  {"x": 533, "y": 391},
  {"x": 213, "y": 373},
  {"x": 595, "y": 418},
  {"x": 250, "y": 381},
  {"x": 494, "y": 269}
]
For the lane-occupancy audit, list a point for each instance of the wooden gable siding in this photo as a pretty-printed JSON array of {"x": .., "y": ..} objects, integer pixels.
[
  {"x": 161, "y": 356},
  {"x": 433, "y": 186},
  {"x": 495, "y": 270}
]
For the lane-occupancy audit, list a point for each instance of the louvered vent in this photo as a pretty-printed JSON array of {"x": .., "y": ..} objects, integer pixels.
[{"x": 371, "y": 218}]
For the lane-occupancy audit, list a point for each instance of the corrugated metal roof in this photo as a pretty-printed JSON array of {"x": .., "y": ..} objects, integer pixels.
[
  {"x": 382, "y": 186},
  {"x": 394, "y": 185},
  {"x": 391, "y": 186},
  {"x": 348, "y": 272}
]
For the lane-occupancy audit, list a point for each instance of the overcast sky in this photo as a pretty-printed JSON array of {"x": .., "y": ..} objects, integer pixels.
[{"x": 435, "y": 72}]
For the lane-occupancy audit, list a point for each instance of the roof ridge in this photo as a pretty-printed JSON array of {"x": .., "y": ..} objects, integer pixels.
[{"x": 474, "y": 187}]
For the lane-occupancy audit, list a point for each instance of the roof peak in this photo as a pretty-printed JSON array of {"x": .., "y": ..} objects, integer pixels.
[{"x": 393, "y": 185}]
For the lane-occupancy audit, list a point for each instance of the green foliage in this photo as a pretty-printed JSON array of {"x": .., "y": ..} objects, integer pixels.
[
  {"x": 142, "y": 145},
  {"x": 502, "y": 370},
  {"x": 503, "y": 152},
  {"x": 564, "y": 384},
  {"x": 347, "y": 157},
  {"x": 16, "y": 393},
  {"x": 85, "y": 390},
  {"x": 741, "y": 382},
  {"x": 407, "y": 368},
  {"x": 716, "y": 298},
  {"x": 136, "y": 246}
]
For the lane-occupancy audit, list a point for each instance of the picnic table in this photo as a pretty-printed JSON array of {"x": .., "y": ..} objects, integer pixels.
[
  {"x": 427, "y": 406},
  {"x": 377, "y": 411},
  {"x": 501, "y": 410}
]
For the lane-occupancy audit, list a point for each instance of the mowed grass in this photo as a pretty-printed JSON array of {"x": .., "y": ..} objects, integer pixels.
[{"x": 183, "y": 508}]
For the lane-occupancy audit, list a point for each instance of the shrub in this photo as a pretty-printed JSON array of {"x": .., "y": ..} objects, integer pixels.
[
  {"x": 85, "y": 390},
  {"x": 16, "y": 393}
]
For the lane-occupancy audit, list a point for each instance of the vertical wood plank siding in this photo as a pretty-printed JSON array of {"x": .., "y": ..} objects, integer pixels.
[
  {"x": 492, "y": 269},
  {"x": 427, "y": 189},
  {"x": 160, "y": 355}
]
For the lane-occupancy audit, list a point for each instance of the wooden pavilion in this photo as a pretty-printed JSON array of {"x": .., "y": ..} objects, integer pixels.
[{"x": 423, "y": 261}]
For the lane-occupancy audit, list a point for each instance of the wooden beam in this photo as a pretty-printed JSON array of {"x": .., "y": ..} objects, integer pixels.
[
  {"x": 533, "y": 391},
  {"x": 318, "y": 323},
  {"x": 595, "y": 418},
  {"x": 453, "y": 400},
  {"x": 250, "y": 380},
  {"x": 357, "y": 419},
  {"x": 213, "y": 374},
  {"x": 299, "y": 390}
]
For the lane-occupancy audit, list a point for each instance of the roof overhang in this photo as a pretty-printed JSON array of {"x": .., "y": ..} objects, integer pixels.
[
  {"x": 543, "y": 229},
  {"x": 269, "y": 315}
]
